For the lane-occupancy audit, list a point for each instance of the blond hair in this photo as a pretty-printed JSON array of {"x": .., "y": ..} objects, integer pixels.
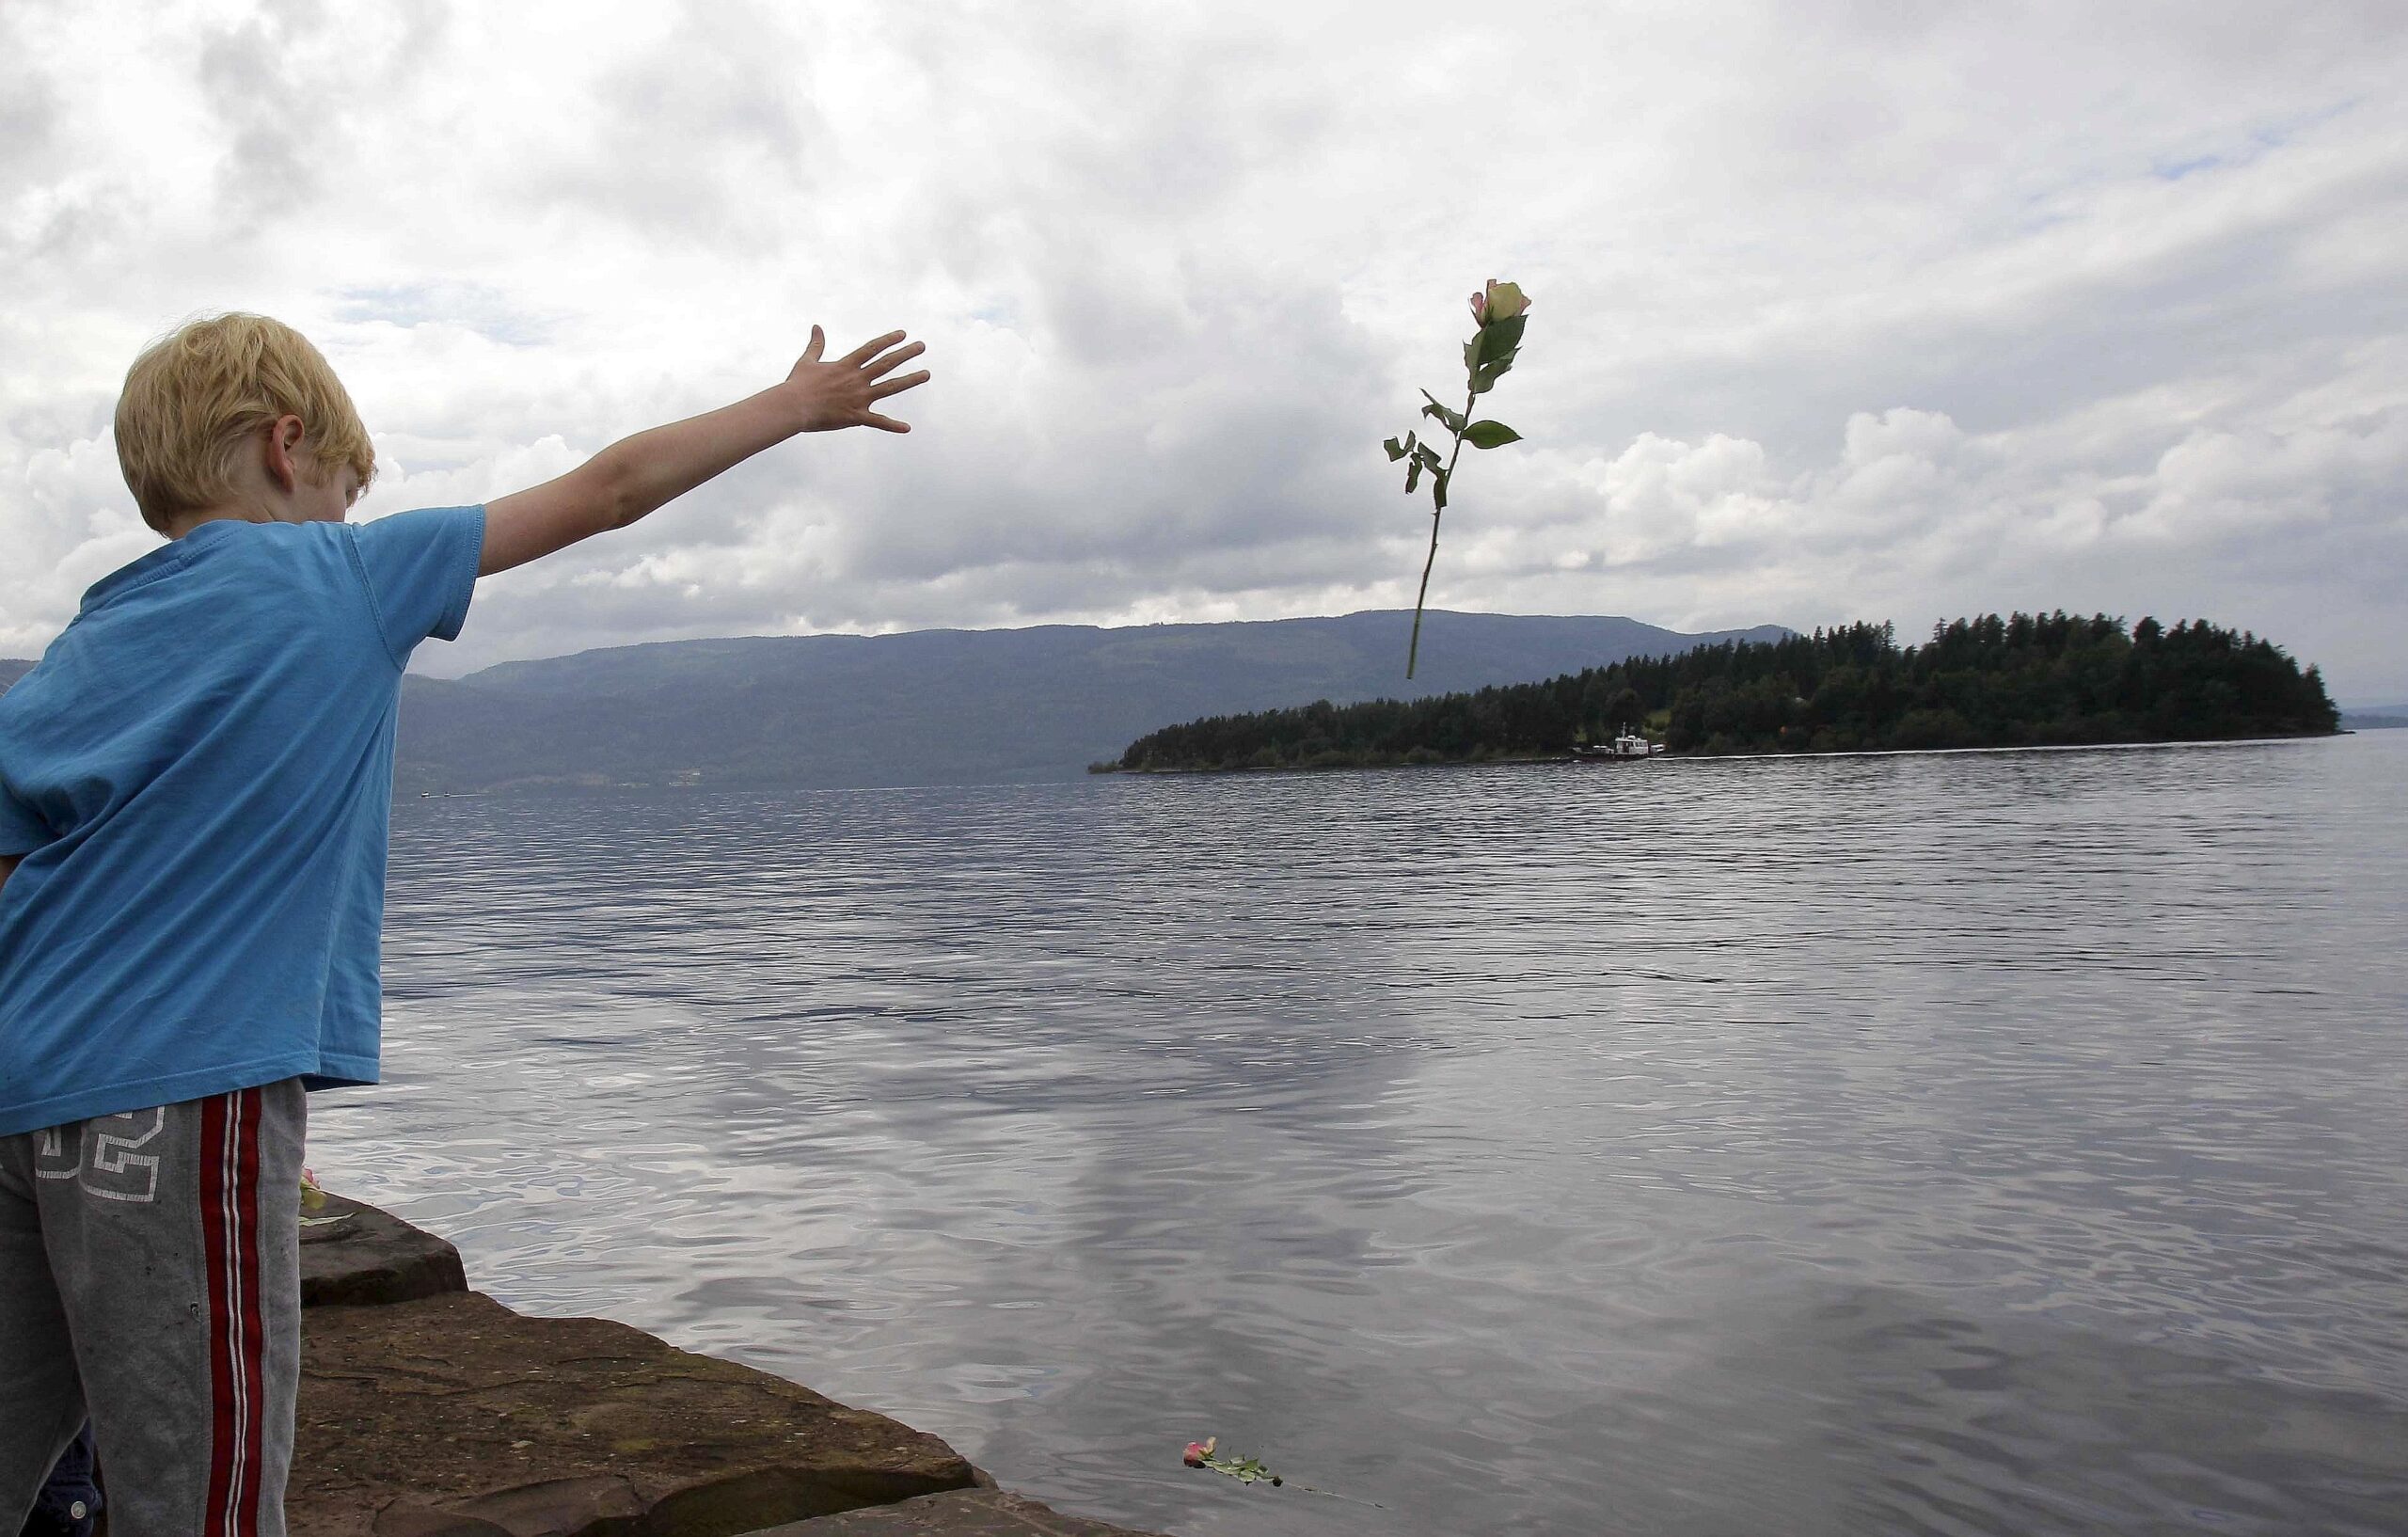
[{"x": 196, "y": 397}]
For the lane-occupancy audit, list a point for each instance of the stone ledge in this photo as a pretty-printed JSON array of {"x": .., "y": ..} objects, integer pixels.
[
  {"x": 970, "y": 1513},
  {"x": 451, "y": 1416},
  {"x": 363, "y": 1256}
]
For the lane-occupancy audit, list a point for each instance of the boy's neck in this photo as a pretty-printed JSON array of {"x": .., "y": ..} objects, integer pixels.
[{"x": 178, "y": 527}]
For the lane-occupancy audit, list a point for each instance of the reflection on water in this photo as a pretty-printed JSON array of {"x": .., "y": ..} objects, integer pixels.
[{"x": 1963, "y": 1143}]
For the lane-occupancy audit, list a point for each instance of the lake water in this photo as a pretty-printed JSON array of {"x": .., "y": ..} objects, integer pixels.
[{"x": 1982, "y": 1143}]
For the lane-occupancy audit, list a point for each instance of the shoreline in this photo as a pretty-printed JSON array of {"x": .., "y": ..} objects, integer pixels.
[{"x": 1403, "y": 762}]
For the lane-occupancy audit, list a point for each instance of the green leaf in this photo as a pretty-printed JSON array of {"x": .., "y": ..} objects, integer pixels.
[
  {"x": 1454, "y": 419},
  {"x": 1438, "y": 488},
  {"x": 1483, "y": 378},
  {"x": 1412, "y": 476},
  {"x": 1396, "y": 450},
  {"x": 1490, "y": 435},
  {"x": 1498, "y": 338},
  {"x": 1429, "y": 455},
  {"x": 1495, "y": 340}
]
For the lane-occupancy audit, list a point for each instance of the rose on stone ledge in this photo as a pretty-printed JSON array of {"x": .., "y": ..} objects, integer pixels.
[{"x": 1244, "y": 1469}]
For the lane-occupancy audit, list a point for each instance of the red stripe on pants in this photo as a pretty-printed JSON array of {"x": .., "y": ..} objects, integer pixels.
[
  {"x": 230, "y": 1170},
  {"x": 246, "y": 1207}
]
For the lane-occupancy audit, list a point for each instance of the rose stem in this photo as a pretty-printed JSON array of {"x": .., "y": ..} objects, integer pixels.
[{"x": 1412, "y": 649}]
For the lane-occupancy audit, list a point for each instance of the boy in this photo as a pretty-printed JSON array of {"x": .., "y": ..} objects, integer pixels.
[{"x": 193, "y": 788}]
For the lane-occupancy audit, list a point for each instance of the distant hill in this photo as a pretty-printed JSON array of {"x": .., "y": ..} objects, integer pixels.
[
  {"x": 2382, "y": 717},
  {"x": 11, "y": 669},
  {"x": 948, "y": 707}
]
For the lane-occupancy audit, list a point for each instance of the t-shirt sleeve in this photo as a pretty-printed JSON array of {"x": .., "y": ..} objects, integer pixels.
[
  {"x": 420, "y": 568},
  {"x": 22, "y": 829}
]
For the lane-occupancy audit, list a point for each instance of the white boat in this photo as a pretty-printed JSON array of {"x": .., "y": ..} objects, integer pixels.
[{"x": 1628, "y": 745}]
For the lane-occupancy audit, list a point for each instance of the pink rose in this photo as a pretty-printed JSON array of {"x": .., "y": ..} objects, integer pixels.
[{"x": 1499, "y": 301}]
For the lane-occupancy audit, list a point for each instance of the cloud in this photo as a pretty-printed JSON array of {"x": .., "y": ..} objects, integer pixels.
[{"x": 1841, "y": 311}]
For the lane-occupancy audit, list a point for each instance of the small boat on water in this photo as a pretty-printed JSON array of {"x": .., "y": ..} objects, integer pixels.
[{"x": 1622, "y": 749}]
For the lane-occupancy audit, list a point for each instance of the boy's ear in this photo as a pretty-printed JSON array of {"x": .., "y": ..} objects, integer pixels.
[{"x": 283, "y": 465}]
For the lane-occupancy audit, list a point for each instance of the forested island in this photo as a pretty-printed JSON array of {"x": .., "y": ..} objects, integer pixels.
[{"x": 2023, "y": 680}]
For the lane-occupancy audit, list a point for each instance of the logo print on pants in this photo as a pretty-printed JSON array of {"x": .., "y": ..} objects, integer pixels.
[{"x": 118, "y": 1170}]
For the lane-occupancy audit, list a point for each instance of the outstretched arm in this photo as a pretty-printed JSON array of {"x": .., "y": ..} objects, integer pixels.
[{"x": 636, "y": 474}]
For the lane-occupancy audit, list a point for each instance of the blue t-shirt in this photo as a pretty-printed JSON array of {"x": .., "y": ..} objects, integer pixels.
[{"x": 199, "y": 774}]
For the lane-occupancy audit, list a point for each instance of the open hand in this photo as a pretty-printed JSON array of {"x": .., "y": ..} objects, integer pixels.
[{"x": 840, "y": 394}]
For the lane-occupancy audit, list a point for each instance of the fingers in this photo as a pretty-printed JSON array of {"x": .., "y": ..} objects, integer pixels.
[
  {"x": 868, "y": 350},
  {"x": 893, "y": 360},
  {"x": 897, "y": 387},
  {"x": 871, "y": 361}
]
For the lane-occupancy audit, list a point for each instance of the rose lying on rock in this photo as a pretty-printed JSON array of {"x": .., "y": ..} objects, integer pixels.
[{"x": 1244, "y": 1469}]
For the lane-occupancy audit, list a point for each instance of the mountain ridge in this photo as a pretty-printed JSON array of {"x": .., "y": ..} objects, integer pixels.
[{"x": 948, "y": 707}]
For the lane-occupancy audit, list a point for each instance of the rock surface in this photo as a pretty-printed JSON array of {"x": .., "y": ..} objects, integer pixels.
[
  {"x": 352, "y": 1253},
  {"x": 451, "y": 1416},
  {"x": 970, "y": 1513}
]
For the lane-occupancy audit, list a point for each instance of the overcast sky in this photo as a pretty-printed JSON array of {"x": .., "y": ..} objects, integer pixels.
[{"x": 1841, "y": 311}]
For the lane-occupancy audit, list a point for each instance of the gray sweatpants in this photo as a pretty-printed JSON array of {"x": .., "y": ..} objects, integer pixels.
[{"x": 151, "y": 1279}]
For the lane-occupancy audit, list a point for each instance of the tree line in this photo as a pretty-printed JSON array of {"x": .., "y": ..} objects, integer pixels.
[{"x": 2023, "y": 680}]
